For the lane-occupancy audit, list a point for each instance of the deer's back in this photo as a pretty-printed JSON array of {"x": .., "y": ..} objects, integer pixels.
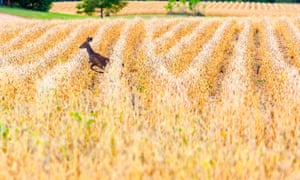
[{"x": 97, "y": 58}]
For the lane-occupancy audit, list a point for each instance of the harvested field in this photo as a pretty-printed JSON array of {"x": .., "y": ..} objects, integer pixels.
[
  {"x": 204, "y": 98},
  {"x": 206, "y": 8}
]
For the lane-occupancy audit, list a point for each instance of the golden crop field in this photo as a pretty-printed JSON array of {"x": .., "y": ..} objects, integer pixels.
[
  {"x": 197, "y": 98},
  {"x": 250, "y": 9},
  {"x": 207, "y": 8},
  {"x": 133, "y": 7}
]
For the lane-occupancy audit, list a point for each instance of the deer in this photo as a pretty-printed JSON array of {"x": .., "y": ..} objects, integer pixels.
[{"x": 95, "y": 59}]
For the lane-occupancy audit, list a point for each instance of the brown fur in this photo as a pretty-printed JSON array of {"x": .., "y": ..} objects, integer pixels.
[{"x": 95, "y": 59}]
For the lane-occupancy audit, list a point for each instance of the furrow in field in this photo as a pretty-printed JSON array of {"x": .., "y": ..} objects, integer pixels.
[
  {"x": 134, "y": 58},
  {"x": 236, "y": 83},
  {"x": 138, "y": 69},
  {"x": 272, "y": 73},
  {"x": 297, "y": 23},
  {"x": 155, "y": 83},
  {"x": 35, "y": 50},
  {"x": 233, "y": 114},
  {"x": 11, "y": 30},
  {"x": 184, "y": 42},
  {"x": 160, "y": 29},
  {"x": 265, "y": 84},
  {"x": 289, "y": 74},
  {"x": 231, "y": 56},
  {"x": 169, "y": 34},
  {"x": 182, "y": 86},
  {"x": 188, "y": 51},
  {"x": 27, "y": 36},
  {"x": 257, "y": 63},
  {"x": 275, "y": 84},
  {"x": 282, "y": 89},
  {"x": 134, "y": 42},
  {"x": 287, "y": 44},
  {"x": 113, "y": 79},
  {"x": 293, "y": 29},
  {"x": 202, "y": 76},
  {"x": 158, "y": 70},
  {"x": 157, "y": 63},
  {"x": 175, "y": 36},
  {"x": 190, "y": 74}
]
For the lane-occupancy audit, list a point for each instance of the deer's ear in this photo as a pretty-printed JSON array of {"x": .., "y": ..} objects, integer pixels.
[{"x": 89, "y": 39}]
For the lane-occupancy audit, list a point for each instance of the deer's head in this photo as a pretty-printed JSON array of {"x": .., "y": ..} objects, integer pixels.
[{"x": 86, "y": 43}]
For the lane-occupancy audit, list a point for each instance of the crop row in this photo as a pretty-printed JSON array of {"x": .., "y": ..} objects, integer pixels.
[{"x": 190, "y": 55}]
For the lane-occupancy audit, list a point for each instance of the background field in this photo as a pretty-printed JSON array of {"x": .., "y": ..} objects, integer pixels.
[
  {"x": 207, "y": 8},
  {"x": 196, "y": 98}
]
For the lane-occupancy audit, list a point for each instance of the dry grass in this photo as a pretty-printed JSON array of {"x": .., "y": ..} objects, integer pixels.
[
  {"x": 250, "y": 9},
  {"x": 189, "y": 102},
  {"x": 64, "y": 7},
  {"x": 133, "y": 7},
  {"x": 207, "y": 8}
]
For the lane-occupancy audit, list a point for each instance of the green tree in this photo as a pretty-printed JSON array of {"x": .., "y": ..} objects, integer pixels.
[
  {"x": 193, "y": 6},
  {"x": 39, "y": 5},
  {"x": 90, "y": 6},
  {"x": 169, "y": 7},
  {"x": 182, "y": 4}
]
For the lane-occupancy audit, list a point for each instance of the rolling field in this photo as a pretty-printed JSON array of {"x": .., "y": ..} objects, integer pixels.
[
  {"x": 207, "y": 8},
  {"x": 197, "y": 98}
]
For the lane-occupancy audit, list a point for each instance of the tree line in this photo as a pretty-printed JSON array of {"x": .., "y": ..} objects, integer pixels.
[
  {"x": 85, "y": 6},
  {"x": 39, "y": 5},
  {"x": 267, "y": 1},
  {"x": 105, "y": 7}
]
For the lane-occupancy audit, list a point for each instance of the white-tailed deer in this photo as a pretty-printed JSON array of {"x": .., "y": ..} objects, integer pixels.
[{"x": 95, "y": 59}]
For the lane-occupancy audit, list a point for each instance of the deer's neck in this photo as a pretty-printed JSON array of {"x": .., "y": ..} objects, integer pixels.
[{"x": 90, "y": 50}]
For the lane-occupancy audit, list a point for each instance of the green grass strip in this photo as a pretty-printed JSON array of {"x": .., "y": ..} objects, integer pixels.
[{"x": 38, "y": 14}]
